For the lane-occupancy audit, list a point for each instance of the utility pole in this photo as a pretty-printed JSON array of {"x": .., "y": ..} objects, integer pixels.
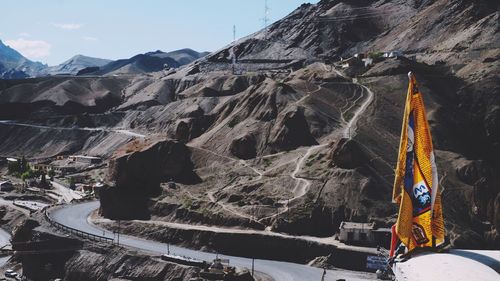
[
  {"x": 168, "y": 249},
  {"x": 324, "y": 274},
  {"x": 118, "y": 234},
  {"x": 253, "y": 266}
]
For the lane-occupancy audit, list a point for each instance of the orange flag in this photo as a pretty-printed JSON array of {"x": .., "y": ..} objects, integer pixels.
[{"x": 420, "y": 221}]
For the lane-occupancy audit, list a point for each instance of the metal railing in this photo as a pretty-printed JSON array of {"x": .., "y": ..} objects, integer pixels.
[{"x": 76, "y": 232}]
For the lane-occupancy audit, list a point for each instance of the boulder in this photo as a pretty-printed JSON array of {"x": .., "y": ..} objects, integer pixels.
[
  {"x": 347, "y": 154},
  {"x": 471, "y": 171},
  {"x": 244, "y": 147},
  {"x": 192, "y": 127},
  {"x": 291, "y": 131}
]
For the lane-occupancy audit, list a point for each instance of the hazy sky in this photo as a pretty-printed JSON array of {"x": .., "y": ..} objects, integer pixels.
[{"x": 51, "y": 31}]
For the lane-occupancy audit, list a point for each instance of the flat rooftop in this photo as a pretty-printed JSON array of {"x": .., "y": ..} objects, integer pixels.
[{"x": 456, "y": 265}]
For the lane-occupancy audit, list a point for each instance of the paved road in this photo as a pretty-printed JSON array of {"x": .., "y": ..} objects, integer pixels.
[
  {"x": 4, "y": 241},
  {"x": 76, "y": 216},
  {"x": 75, "y": 128},
  {"x": 66, "y": 193}
]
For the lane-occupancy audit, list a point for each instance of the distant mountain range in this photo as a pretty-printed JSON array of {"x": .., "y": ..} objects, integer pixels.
[
  {"x": 75, "y": 64},
  {"x": 13, "y": 65},
  {"x": 148, "y": 62}
]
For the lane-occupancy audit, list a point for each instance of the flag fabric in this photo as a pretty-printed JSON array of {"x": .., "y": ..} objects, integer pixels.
[{"x": 420, "y": 221}]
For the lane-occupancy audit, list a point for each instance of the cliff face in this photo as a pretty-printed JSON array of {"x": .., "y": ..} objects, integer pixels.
[{"x": 135, "y": 173}]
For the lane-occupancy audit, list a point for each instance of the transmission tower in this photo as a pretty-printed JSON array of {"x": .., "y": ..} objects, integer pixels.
[
  {"x": 232, "y": 52},
  {"x": 266, "y": 17}
]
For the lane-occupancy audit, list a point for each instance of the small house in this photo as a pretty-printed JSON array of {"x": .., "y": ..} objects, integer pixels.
[
  {"x": 12, "y": 160},
  {"x": 85, "y": 159},
  {"x": 356, "y": 233},
  {"x": 393, "y": 54},
  {"x": 41, "y": 167},
  {"x": 359, "y": 56},
  {"x": 6, "y": 186},
  {"x": 77, "y": 178},
  {"x": 366, "y": 234},
  {"x": 368, "y": 61},
  {"x": 63, "y": 170}
]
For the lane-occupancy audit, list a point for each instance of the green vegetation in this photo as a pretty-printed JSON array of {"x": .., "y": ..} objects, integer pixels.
[
  {"x": 206, "y": 212},
  {"x": 187, "y": 203},
  {"x": 19, "y": 167},
  {"x": 51, "y": 174},
  {"x": 22, "y": 170},
  {"x": 375, "y": 55}
]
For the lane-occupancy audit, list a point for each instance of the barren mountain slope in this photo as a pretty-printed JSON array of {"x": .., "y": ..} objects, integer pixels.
[{"x": 289, "y": 142}]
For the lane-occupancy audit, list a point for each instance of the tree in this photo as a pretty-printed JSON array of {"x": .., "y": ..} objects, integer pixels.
[
  {"x": 23, "y": 166},
  {"x": 51, "y": 174},
  {"x": 25, "y": 176},
  {"x": 14, "y": 167},
  {"x": 72, "y": 183}
]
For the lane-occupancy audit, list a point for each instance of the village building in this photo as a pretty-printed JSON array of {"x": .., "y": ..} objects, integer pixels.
[
  {"x": 63, "y": 170},
  {"x": 77, "y": 178},
  {"x": 366, "y": 234},
  {"x": 85, "y": 159},
  {"x": 356, "y": 233},
  {"x": 41, "y": 167},
  {"x": 6, "y": 186},
  {"x": 12, "y": 160}
]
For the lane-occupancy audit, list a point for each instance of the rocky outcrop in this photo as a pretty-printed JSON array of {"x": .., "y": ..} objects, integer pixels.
[
  {"x": 135, "y": 173},
  {"x": 291, "y": 131},
  {"x": 244, "y": 147},
  {"x": 46, "y": 255},
  {"x": 347, "y": 154},
  {"x": 190, "y": 128},
  {"x": 42, "y": 252},
  {"x": 117, "y": 264}
]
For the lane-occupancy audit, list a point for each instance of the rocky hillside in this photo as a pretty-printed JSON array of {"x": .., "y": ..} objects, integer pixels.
[
  {"x": 290, "y": 141},
  {"x": 149, "y": 62},
  {"x": 74, "y": 65},
  {"x": 14, "y": 66}
]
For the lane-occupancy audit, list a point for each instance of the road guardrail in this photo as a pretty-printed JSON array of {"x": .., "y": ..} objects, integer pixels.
[{"x": 76, "y": 232}]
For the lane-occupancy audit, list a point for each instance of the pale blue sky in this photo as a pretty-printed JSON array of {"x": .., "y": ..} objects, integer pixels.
[{"x": 52, "y": 31}]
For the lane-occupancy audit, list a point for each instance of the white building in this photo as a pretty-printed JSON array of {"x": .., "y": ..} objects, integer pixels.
[
  {"x": 357, "y": 233},
  {"x": 85, "y": 159}
]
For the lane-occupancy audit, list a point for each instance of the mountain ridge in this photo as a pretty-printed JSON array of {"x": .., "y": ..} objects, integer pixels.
[
  {"x": 14, "y": 65},
  {"x": 295, "y": 140}
]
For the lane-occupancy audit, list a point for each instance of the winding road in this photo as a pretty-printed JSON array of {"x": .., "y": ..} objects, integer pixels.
[
  {"x": 76, "y": 216},
  {"x": 98, "y": 129},
  {"x": 4, "y": 241}
]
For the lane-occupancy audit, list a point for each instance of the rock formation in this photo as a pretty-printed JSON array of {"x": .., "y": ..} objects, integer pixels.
[{"x": 135, "y": 173}]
